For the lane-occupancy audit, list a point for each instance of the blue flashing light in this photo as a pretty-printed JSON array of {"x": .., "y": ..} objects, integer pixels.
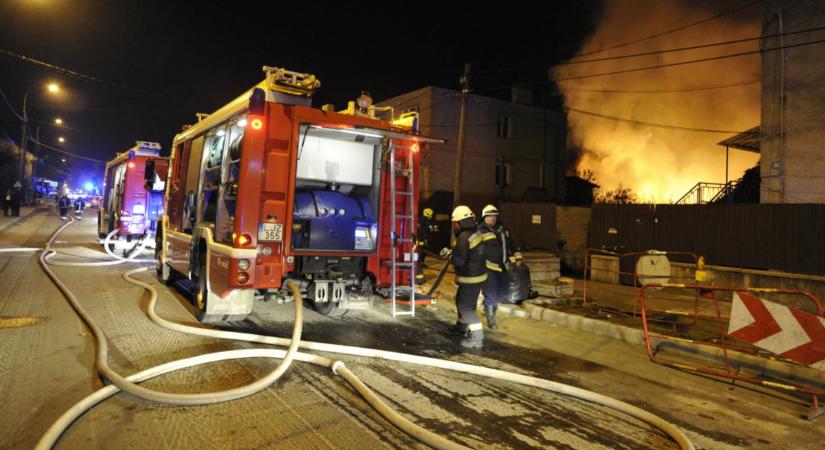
[{"x": 88, "y": 186}]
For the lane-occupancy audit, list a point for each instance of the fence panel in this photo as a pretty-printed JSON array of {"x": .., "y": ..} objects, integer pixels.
[{"x": 784, "y": 237}]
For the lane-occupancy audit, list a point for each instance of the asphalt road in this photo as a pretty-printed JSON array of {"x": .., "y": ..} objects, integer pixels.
[{"x": 47, "y": 362}]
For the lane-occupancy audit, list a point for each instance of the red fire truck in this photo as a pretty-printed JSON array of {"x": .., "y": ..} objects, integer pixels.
[
  {"x": 268, "y": 189},
  {"x": 133, "y": 190}
]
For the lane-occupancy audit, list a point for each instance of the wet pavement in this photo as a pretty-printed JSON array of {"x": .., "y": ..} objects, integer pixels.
[{"x": 47, "y": 355}]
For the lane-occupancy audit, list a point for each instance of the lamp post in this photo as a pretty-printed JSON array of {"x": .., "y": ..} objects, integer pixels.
[{"x": 53, "y": 88}]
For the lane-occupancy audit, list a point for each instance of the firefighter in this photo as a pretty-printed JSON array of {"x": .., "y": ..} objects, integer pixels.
[
  {"x": 16, "y": 199},
  {"x": 426, "y": 227},
  {"x": 63, "y": 204},
  {"x": 498, "y": 251},
  {"x": 468, "y": 260},
  {"x": 79, "y": 206}
]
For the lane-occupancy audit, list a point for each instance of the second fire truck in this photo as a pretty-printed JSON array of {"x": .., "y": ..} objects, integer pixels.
[{"x": 133, "y": 195}]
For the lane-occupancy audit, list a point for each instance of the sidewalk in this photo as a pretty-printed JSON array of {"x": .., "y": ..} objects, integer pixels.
[
  {"x": 609, "y": 312},
  {"x": 25, "y": 211}
]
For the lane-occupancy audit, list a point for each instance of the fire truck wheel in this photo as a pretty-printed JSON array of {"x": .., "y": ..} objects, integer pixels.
[
  {"x": 164, "y": 272},
  {"x": 201, "y": 294}
]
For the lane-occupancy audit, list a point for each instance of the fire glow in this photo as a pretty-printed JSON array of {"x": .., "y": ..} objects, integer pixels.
[{"x": 660, "y": 164}]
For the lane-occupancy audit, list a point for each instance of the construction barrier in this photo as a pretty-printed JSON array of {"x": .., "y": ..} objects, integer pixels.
[{"x": 736, "y": 321}]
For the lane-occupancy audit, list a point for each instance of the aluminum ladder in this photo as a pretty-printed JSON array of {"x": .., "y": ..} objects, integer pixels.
[{"x": 402, "y": 232}]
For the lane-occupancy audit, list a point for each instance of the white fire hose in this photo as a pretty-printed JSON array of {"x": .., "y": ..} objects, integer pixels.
[{"x": 129, "y": 384}]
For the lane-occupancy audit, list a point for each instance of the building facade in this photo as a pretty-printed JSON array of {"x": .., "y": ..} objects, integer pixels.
[
  {"x": 793, "y": 103},
  {"x": 510, "y": 147}
]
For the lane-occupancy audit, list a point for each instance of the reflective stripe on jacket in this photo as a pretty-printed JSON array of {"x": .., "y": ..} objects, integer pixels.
[{"x": 468, "y": 257}]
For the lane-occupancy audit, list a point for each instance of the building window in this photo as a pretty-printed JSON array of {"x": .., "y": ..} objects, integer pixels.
[
  {"x": 502, "y": 174},
  {"x": 503, "y": 127}
]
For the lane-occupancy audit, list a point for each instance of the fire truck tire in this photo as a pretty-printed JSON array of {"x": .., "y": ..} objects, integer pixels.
[
  {"x": 201, "y": 295},
  {"x": 164, "y": 271},
  {"x": 99, "y": 221}
]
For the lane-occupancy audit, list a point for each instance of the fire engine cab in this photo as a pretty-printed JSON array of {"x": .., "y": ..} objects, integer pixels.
[
  {"x": 133, "y": 189},
  {"x": 268, "y": 189}
]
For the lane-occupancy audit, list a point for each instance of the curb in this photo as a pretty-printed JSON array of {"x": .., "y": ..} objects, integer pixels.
[{"x": 636, "y": 336}]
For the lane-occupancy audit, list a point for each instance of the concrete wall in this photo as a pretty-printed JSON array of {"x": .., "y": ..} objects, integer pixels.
[
  {"x": 535, "y": 136},
  {"x": 739, "y": 278},
  {"x": 604, "y": 268},
  {"x": 572, "y": 225},
  {"x": 793, "y": 104}
]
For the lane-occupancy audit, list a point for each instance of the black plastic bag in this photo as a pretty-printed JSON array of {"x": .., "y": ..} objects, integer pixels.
[{"x": 518, "y": 288}]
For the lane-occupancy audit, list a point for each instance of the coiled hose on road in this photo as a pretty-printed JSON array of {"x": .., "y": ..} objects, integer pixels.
[{"x": 128, "y": 384}]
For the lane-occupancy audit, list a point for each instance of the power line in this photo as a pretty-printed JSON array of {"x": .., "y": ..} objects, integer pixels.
[
  {"x": 74, "y": 155},
  {"x": 93, "y": 109},
  {"x": 651, "y": 124},
  {"x": 654, "y": 52},
  {"x": 682, "y": 63},
  {"x": 692, "y": 47},
  {"x": 673, "y": 30},
  {"x": 85, "y": 77},
  {"x": 62, "y": 70},
  {"x": 3, "y": 94},
  {"x": 664, "y": 91}
]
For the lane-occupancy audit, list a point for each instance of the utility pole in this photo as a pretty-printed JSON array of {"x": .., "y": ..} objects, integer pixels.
[
  {"x": 23, "y": 137},
  {"x": 465, "y": 89},
  {"x": 34, "y": 165}
]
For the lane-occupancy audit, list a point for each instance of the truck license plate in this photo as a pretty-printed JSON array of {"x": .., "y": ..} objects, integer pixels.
[{"x": 271, "y": 232}]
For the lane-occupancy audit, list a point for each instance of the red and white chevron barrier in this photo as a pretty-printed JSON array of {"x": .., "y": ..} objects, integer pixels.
[{"x": 790, "y": 333}]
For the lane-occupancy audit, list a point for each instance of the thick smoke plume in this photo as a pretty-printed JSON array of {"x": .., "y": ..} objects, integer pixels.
[{"x": 659, "y": 164}]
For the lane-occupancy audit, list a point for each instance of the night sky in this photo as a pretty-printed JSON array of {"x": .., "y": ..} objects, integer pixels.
[{"x": 163, "y": 61}]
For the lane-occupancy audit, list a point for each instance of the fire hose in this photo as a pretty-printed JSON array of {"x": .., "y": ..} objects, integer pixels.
[{"x": 129, "y": 384}]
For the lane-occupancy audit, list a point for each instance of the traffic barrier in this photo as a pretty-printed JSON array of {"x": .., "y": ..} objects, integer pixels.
[{"x": 740, "y": 320}]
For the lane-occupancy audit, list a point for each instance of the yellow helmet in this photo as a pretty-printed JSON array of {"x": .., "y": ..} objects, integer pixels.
[
  {"x": 489, "y": 210},
  {"x": 462, "y": 212},
  {"x": 428, "y": 213}
]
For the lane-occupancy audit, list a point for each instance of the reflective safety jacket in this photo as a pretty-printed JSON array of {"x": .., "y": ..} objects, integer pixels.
[
  {"x": 468, "y": 257},
  {"x": 498, "y": 246},
  {"x": 426, "y": 227}
]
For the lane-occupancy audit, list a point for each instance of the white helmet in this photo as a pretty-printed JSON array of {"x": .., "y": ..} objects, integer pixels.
[
  {"x": 489, "y": 210},
  {"x": 462, "y": 212}
]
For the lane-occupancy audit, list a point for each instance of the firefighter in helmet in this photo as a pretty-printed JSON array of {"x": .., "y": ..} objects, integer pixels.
[
  {"x": 63, "y": 204},
  {"x": 498, "y": 252},
  {"x": 426, "y": 227},
  {"x": 468, "y": 260}
]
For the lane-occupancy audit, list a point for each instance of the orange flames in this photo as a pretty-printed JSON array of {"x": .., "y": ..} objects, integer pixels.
[{"x": 659, "y": 164}]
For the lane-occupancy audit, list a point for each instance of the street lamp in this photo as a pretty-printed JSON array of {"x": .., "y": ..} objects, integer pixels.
[
  {"x": 58, "y": 121},
  {"x": 61, "y": 140},
  {"x": 51, "y": 87}
]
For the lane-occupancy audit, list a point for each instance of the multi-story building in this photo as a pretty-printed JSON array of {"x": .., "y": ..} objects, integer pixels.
[
  {"x": 793, "y": 103},
  {"x": 511, "y": 147}
]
